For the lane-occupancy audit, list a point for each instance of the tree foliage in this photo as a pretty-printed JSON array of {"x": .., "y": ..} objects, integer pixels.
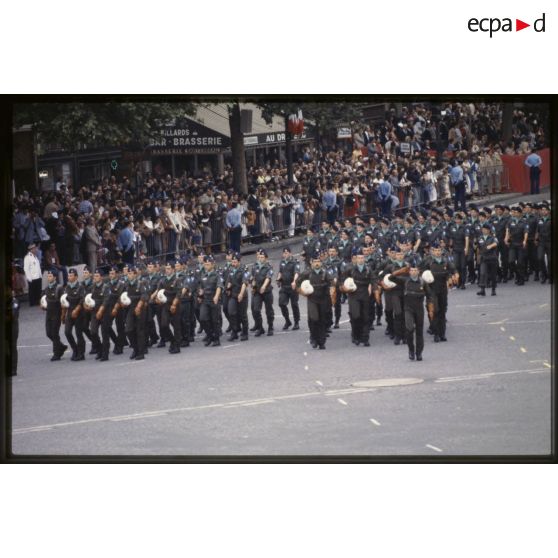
[{"x": 72, "y": 125}]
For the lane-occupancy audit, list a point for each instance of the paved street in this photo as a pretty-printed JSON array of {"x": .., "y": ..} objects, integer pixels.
[{"x": 487, "y": 391}]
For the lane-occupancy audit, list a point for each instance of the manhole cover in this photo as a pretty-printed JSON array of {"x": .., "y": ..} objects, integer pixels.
[{"x": 388, "y": 382}]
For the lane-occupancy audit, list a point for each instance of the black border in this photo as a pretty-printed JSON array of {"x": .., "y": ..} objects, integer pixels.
[{"x": 6, "y": 107}]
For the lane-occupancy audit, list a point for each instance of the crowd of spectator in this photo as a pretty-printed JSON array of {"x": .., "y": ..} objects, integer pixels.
[{"x": 406, "y": 161}]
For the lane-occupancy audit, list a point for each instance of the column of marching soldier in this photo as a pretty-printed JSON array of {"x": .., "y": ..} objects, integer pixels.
[{"x": 393, "y": 268}]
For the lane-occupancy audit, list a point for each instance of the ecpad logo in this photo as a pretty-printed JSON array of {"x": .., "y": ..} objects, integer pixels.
[{"x": 493, "y": 25}]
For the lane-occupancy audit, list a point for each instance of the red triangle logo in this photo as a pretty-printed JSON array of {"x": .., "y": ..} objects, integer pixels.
[{"x": 519, "y": 25}]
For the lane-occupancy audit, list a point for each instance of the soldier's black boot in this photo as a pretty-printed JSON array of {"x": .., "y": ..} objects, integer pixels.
[
  {"x": 536, "y": 277},
  {"x": 411, "y": 354},
  {"x": 287, "y": 325},
  {"x": 296, "y": 326},
  {"x": 419, "y": 356},
  {"x": 493, "y": 293},
  {"x": 255, "y": 328},
  {"x": 244, "y": 337},
  {"x": 161, "y": 344},
  {"x": 482, "y": 292},
  {"x": 259, "y": 332},
  {"x": 233, "y": 336},
  {"x": 216, "y": 342},
  {"x": 133, "y": 355},
  {"x": 336, "y": 324}
]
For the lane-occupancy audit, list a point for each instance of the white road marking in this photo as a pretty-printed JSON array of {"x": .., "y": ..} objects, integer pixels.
[
  {"x": 229, "y": 346},
  {"x": 466, "y": 324},
  {"x": 485, "y": 375},
  {"x": 503, "y": 328},
  {"x": 540, "y": 360},
  {"x": 319, "y": 383},
  {"x": 547, "y": 364},
  {"x": 474, "y": 305},
  {"x": 512, "y": 338},
  {"x": 32, "y": 346},
  {"x": 539, "y": 371},
  {"x": 150, "y": 414},
  {"x": 500, "y": 322},
  {"x": 543, "y": 305},
  {"x": 433, "y": 448},
  {"x": 344, "y": 321},
  {"x": 523, "y": 349},
  {"x": 374, "y": 421},
  {"x": 262, "y": 402},
  {"x": 342, "y": 401}
]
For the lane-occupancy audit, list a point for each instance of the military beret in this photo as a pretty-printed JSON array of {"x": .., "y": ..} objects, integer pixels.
[
  {"x": 132, "y": 269},
  {"x": 141, "y": 267},
  {"x": 521, "y": 204},
  {"x": 396, "y": 249},
  {"x": 506, "y": 207},
  {"x": 515, "y": 208},
  {"x": 184, "y": 260},
  {"x": 314, "y": 228},
  {"x": 354, "y": 251},
  {"x": 488, "y": 211},
  {"x": 230, "y": 252},
  {"x": 335, "y": 228},
  {"x": 262, "y": 252},
  {"x": 413, "y": 214},
  {"x": 287, "y": 249},
  {"x": 316, "y": 255},
  {"x": 473, "y": 207},
  {"x": 413, "y": 262},
  {"x": 498, "y": 206},
  {"x": 86, "y": 268},
  {"x": 449, "y": 211},
  {"x": 385, "y": 221},
  {"x": 434, "y": 217},
  {"x": 458, "y": 215},
  {"x": 208, "y": 258},
  {"x": 529, "y": 204},
  {"x": 236, "y": 256},
  {"x": 113, "y": 268},
  {"x": 435, "y": 245},
  {"x": 52, "y": 271},
  {"x": 482, "y": 214},
  {"x": 360, "y": 224},
  {"x": 486, "y": 225},
  {"x": 73, "y": 270}
]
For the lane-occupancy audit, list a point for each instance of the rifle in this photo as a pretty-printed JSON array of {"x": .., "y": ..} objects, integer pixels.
[{"x": 430, "y": 309}]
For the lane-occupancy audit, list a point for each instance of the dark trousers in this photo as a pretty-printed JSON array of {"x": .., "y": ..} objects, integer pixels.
[
  {"x": 440, "y": 300},
  {"x": 107, "y": 333},
  {"x": 136, "y": 330},
  {"x": 120, "y": 321},
  {"x": 15, "y": 335},
  {"x": 210, "y": 319},
  {"x": 517, "y": 262},
  {"x": 543, "y": 249},
  {"x": 317, "y": 312},
  {"x": 94, "y": 326},
  {"x": 238, "y": 312},
  {"x": 152, "y": 311},
  {"x": 414, "y": 326},
  {"x": 35, "y": 292},
  {"x": 332, "y": 215},
  {"x": 503, "y": 255},
  {"x": 169, "y": 319},
  {"x": 535, "y": 176},
  {"x": 87, "y": 324},
  {"x": 234, "y": 238},
  {"x": 460, "y": 265},
  {"x": 398, "y": 314},
  {"x": 470, "y": 260},
  {"x": 259, "y": 300},
  {"x": 532, "y": 261},
  {"x": 187, "y": 319},
  {"x": 71, "y": 324},
  {"x": 359, "y": 308},
  {"x": 488, "y": 273},
  {"x": 225, "y": 297},
  {"x": 52, "y": 326},
  {"x": 460, "y": 197},
  {"x": 287, "y": 295}
]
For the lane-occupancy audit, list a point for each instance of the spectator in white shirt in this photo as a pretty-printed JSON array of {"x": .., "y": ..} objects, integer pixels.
[{"x": 33, "y": 274}]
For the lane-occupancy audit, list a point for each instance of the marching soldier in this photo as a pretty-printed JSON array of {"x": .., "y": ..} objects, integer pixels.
[
  {"x": 73, "y": 315},
  {"x": 345, "y": 246},
  {"x": 320, "y": 292},
  {"x": 187, "y": 307},
  {"x": 153, "y": 310},
  {"x": 394, "y": 296},
  {"x": 442, "y": 270},
  {"x": 108, "y": 311},
  {"x": 50, "y": 302},
  {"x": 375, "y": 261},
  {"x": 474, "y": 227},
  {"x": 333, "y": 265},
  {"x": 169, "y": 298},
  {"x": 359, "y": 300},
  {"x": 517, "y": 234},
  {"x": 238, "y": 285},
  {"x": 97, "y": 296},
  {"x": 225, "y": 278},
  {"x": 531, "y": 252},
  {"x": 415, "y": 290},
  {"x": 289, "y": 269},
  {"x": 499, "y": 222},
  {"x": 262, "y": 288},
  {"x": 210, "y": 291},
  {"x": 488, "y": 259},
  {"x": 136, "y": 319},
  {"x": 460, "y": 247},
  {"x": 87, "y": 284},
  {"x": 310, "y": 245},
  {"x": 542, "y": 242}
]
